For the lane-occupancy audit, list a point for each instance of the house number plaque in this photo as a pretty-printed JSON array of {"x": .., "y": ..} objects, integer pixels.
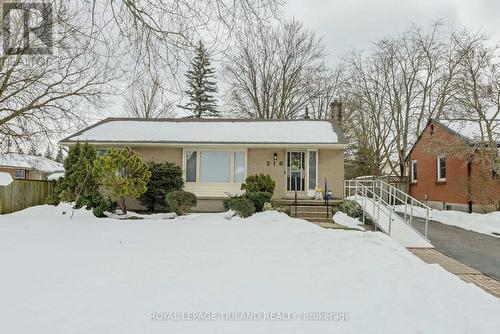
[{"x": 269, "y": 163}]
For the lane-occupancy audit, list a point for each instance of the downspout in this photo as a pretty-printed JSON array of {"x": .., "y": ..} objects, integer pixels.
[{"x": 469, "y": 184}]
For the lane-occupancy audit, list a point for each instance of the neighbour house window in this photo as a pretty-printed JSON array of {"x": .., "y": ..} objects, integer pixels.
[
  {"x": 414, "y": 171},
  {"x": 20, "y": 174},
  {"x": 215, "y": 166},
  {"x": 441, "y": 169},
  {"x": 312, "y": 169},
  {"x": 191, "y": 166}
]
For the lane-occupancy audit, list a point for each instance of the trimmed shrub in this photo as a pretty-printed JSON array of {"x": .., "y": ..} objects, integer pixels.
[
  {"x": 123, "y": 173},
  {"x": 180, "y": 201},
  {"x": 165, "y": 178},
  {"x": 259, "y": 189},
  {"x": 259, "y": 183},
  {"x": 258, "y": 198},
  {"x": 241, "y": 205}
]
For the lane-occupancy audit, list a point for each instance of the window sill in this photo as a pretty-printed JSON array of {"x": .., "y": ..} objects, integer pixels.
[
  {"x": 413, "y": 182},
  {"x": 442, "y": 182}
]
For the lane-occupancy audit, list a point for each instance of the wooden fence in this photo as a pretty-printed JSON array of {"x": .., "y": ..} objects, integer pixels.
[{"x": 22, "y": 194}]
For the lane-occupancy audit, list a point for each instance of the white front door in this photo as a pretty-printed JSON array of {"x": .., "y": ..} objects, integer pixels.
[{"x": 296, "y": 171}]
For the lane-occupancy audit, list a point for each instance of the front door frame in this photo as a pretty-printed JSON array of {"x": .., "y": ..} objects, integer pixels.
[{"x": 305, "y": 192}]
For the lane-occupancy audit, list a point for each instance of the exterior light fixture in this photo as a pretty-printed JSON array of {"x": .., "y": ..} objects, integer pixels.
[{"x": 275, "y": 156}]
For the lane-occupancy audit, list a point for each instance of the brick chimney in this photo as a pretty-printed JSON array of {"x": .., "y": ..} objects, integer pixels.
[{"x": 336, "y": 112}]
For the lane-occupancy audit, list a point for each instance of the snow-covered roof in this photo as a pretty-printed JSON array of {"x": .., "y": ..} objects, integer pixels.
[
  {"x": 55, "y": 176},
  {"x": 27, "y": 161},
  {"x": 5, "y": 179},
  {"x": 472, "y": 130},
  {"x": 210, "y": 131}
]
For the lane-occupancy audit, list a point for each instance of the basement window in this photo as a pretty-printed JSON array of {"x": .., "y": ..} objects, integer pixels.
[{"x": 441, "y": 169}]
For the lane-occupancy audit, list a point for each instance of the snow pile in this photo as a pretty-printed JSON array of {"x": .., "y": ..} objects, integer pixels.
[
  {"x": 487, "y": 223},
  {"x": 5, "y": 179},
  {"x": 55, "y": 176},
  {"x": 135, "y": 215},
  {"x": 342, "y": 219},
  {"x": 89, "y": 275},
  {"x": 210, "y": 131}
]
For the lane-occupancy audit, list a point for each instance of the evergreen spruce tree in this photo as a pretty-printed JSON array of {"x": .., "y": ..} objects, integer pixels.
[{"x": 200, "y": 80}]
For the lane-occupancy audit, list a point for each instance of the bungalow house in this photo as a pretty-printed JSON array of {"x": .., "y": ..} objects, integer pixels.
[
  {"x": 216, "y": 155},
  {"x": 29, "y": 167},
  {"x": 446, "y": 170}
]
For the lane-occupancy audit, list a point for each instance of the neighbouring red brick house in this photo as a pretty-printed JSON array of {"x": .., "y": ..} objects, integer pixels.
[{"x": 445, "y": 174}]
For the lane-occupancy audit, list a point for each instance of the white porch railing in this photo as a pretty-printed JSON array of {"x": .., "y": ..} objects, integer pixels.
[{"x": 383, "y": 199}]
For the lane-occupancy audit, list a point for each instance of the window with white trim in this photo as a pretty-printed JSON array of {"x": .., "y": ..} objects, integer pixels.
[
  {"x": 313, "y": 169},
  {"x": 191, "y": 158},
  {"x": 413, "y": 171},
  {"x": 215, "y": 166},
  {"x": 441, "y": 169},
  {"x": 20, "y": 174}
]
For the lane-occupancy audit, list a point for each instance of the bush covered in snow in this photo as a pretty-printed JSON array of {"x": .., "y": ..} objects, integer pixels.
[
  {"x": 180, "y": 202},
  {"x": 350, "y": 208},
  {"x": 241, "y": 205},
  {"x": 165, "y": 178},
  {"x": 267, "y": 206}
]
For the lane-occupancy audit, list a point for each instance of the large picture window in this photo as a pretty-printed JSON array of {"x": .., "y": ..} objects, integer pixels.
[
  {"x": 211, "y": 166},
  {"x": 215, "y": 167}
]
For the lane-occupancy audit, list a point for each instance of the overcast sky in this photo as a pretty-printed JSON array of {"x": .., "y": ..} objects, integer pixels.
[{"x": 347, "y": 24}]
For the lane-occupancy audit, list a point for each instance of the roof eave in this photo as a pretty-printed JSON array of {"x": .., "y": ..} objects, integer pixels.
[{"x": 198, "y": 144}]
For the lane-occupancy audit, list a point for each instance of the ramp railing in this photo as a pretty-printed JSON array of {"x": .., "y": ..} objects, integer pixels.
[{"x": 387, "y": 200}]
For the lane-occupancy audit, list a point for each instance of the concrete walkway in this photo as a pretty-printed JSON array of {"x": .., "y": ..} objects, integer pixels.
[{"x": 466, "y": 273}]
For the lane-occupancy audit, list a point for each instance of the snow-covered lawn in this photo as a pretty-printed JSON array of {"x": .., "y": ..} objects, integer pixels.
[
  {"x": 93, "y": 275},
  {"x": 487, "y": 223}
]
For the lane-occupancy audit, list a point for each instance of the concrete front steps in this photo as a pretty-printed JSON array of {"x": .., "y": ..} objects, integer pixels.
[{"x": 316, "y": 214}]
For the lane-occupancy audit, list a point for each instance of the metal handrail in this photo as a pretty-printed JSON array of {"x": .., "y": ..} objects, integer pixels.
[{"x": 391, "y": 191}]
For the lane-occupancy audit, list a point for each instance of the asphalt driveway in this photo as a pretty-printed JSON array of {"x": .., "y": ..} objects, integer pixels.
[{"x": 477, "y": 250}]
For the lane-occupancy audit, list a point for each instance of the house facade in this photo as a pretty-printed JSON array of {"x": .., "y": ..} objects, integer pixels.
[
  {"x": 29, "y": 167},
  {"x": 216, "y": 155},
  {"x": 444, "y": 170}
]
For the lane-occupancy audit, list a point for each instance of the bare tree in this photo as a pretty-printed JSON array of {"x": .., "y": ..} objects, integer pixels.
[
  {"x": 146, "y": 99},
  {"x": 478, "y": 93},
  {"x": 402, "y": 82},
  {"x": 327, "y": 86},
  {"x": 272, "y": 71},
  {"x": 43, "y": 96},
  {"x": 159, "y": 34}
]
